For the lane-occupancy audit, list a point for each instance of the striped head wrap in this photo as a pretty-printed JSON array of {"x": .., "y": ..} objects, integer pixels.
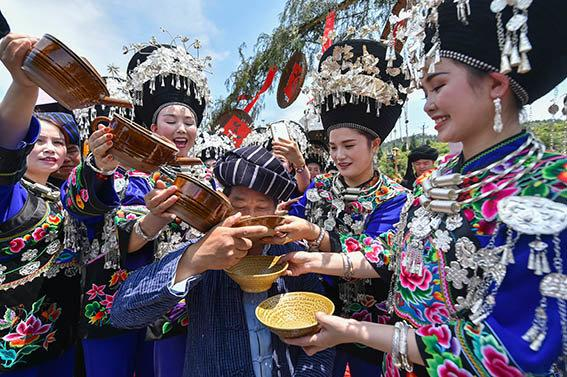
[{"x": 256, "y": 168}]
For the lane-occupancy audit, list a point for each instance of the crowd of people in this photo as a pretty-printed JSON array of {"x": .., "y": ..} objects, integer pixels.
[{"x": 457, "y": 270}]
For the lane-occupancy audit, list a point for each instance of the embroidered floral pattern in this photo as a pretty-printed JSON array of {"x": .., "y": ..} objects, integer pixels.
[
  {"x": 358, "y": 299},
  {"x": 100, "y": 298},
  {"x": 28, "y": 331},
  {"x": 457, "y": 347},
  {"x": 34, "y": 236}
]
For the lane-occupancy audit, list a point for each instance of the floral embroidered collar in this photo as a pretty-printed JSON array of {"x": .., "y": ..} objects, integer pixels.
[{"x": 349, "y": 206}]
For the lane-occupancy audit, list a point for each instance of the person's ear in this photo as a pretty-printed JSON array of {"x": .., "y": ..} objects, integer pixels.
[
  {"x": 500, "y": 84},
  {"x": 376, "y": 144},
  {"x": 153, "y": 127}
]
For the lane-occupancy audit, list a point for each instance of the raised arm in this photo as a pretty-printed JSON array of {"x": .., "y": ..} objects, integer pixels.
[{"x": 17, "y": 106}]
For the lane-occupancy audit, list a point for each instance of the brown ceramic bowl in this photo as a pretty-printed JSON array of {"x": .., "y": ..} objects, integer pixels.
[
  {"x": 269, "y": 221},
  {"x": 292, "y": 315},
  {"x": 198, "y": 205},
  {"x": 257, "y": 273},
  {"x": 136, "y": 147},
  {"x": 66, "y": 77}
]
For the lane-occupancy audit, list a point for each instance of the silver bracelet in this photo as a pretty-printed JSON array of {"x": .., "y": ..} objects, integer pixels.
[
  {"x": 403, "y": 346},
  {"x": 90, "y": 163},
  {"x": 348, "y": 267},
  {"x": 140, "y": 232},
  {"x": 314, "y": 246},
  {"x": 396, "y": 347}
]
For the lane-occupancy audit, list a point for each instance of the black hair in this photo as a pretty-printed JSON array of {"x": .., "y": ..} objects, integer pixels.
[
  {"x": 369, "y": 138},
  {"x": 474, "y": 75}
]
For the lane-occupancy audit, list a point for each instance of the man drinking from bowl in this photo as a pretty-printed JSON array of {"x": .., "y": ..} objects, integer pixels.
[{"x": 224, "y": 337}]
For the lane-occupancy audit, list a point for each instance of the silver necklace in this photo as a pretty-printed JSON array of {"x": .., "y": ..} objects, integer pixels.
[{"x": 441, "y": 191}]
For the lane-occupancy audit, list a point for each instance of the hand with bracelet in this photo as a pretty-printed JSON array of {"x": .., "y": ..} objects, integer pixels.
[
  {"x": 100, "y": 143},
  {"x": 399, "y": 340},
  {"x": 148, "y": 228},
  {"x": 290, "y": 151},
  {"x": 297, "y": 229}
]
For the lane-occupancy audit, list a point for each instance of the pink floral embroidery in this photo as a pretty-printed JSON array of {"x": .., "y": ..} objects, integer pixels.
[
  {"x": 498, "y": 364},
  {"x": 84, "y": 195},
  {"x": 131, "y": 216},
  {"x": 95, "y": 291},
  {"x": 38, "y": 234},
  {"x": 108, "y": 300},
  {"x": 352, "y": 245},
  {"x": 450, "y": 369},
  {"x": 469, "y": 214},
  {"x": 413, "y": 281},
  {"x": 391, "y": 370},
  {"x": 27, "y": 332},
  {"x": 437, "y": 313},
  {"x": 486, "y": 227},
  {"x": 442, "y": 333},
  {"x": 17, "y": 244},
  {"x": 489, "y": 207}
]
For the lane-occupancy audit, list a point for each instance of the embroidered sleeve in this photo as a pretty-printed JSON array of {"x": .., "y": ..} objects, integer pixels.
[
  {"x": 497, "y": 346},
  {"x": 377, "y": 241},
  {"x": 87, "y": 194}
]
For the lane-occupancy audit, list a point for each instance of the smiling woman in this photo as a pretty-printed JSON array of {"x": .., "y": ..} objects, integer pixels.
[
  {"x": 177, "y": 123},
  {"x": 477, "y": 256},
  {"x": 358, "y": 201},
  {"x": 48, "y": 153}
]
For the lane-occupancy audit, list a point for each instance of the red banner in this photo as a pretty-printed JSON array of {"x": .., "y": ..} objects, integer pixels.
[
  {"x": 237, "y": 130},
  {"x": 265, "y": 86},
  {"x": 329, "y": 27}
]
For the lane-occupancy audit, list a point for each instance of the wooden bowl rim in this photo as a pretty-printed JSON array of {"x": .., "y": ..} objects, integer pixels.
[
  {"x": 152, "y": 136},
  {"x": 203, "y": 186},
  {"x": 257, "y": 218},
  {"x": 297, "y": 293},
  {"x": 258, "y": 257},
  {"x": 88, "y": 68}
]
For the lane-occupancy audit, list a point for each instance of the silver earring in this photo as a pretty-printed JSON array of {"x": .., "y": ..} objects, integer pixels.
[{"x": 498, "y": 126}]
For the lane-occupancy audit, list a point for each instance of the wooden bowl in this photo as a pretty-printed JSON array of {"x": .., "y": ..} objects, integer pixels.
[
  {"x": 68, "y": 78},
  {"x": 257, "y": 273},
  {"x": 198, "y": 205},
  {"x": 292, "y": 315},
  {"x": 269, "y": 221},
  {"x": 136, "y": 147}
]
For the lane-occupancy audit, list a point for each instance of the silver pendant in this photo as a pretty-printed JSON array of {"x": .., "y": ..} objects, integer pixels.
[
  {"x": 457, "y": 275},
  {"x": 554, "y": 285},
  {"x": 453, "y": 222},
  {"x": 498, "y": 5},
  {"x": 465, "y": 251},
  {"x": 537, "y": 332},
  {"x": 537, "y": 260},
  {"x": 338, "y": 204},
  {"x": 329, "y": 224},
  {"x": 420, "y": 226},
  {"x": 533, "y": 215},
  {"x": 442, "y": 240}
]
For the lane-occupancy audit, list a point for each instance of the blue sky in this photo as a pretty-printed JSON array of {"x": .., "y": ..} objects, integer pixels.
[{"x": 97, "y": 29}]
